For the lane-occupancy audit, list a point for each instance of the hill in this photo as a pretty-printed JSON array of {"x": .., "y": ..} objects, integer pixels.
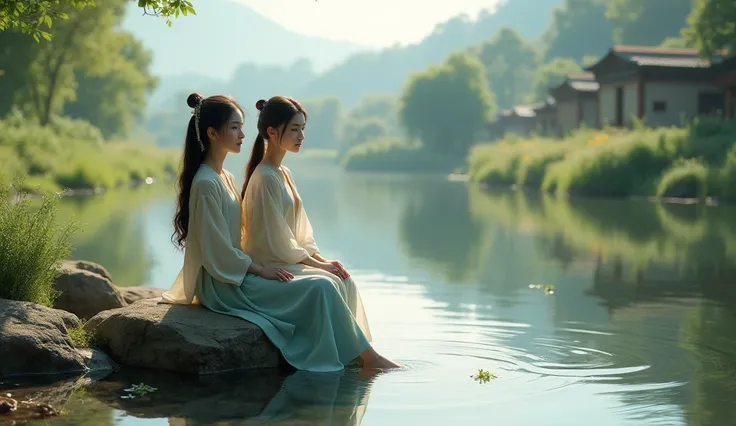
[{"x": 225, "y": 34}]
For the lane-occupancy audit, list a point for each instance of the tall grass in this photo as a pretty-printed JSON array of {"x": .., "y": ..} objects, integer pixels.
[
  {"x": 694, "y": 161},
  {"x": 72, "y": 154},
  {"x": 32, "y": 245}
]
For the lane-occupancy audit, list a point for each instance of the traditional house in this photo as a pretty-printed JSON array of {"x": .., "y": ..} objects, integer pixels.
[
  {"x": 546, "y": 113},
  {"x": 724, "y": 75},
  {"x": 663, "y": 85},
  {"x": 520, "y": 120},
  {"x": 577, "y": 101}
]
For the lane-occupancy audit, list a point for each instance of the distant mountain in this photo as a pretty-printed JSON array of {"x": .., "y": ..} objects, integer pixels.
[
  {"x": 387, "y": 70},
  {"x": 225, "y": 34}
]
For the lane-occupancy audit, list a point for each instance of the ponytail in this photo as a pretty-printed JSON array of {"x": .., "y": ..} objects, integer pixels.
[{"x": 256, "y": 156}]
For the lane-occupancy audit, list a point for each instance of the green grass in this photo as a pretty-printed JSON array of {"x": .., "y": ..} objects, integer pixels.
[
  {"x": 81, "y": 337},
  {"x": 395, "y": 156},
  {"x": 695, "y": 161},
  {"x": 32, "y": 245},
  {"x": 72, "y": 154}
]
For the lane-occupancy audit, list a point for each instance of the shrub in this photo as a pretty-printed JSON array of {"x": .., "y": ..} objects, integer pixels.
[
  {"x": 394, "y": 155},
  {"x": 685, "y": 179},
  {"x": 32, "y": 245}
]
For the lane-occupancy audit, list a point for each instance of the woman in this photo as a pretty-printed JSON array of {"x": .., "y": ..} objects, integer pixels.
[
  {"x": 276, "y": 229},
  {"x": 305, "y": 318}
]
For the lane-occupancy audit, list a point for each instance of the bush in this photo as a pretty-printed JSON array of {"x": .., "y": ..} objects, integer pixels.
[
  {"x": 685, "y": 179},
  {"x": 71, "y": 154},
  {"x": 394, "y": 155},
  {"x": 695, "y": 161},
  {"x": 32, "y": 245}
]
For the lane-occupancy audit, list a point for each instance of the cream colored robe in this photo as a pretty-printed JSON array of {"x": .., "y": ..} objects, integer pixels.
[
  {"x": 213, "y": 240},
  {"x": 277, "y": 232}
]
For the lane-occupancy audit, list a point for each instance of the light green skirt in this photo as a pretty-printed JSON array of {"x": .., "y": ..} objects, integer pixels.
[{"x": 305, "y": 318}]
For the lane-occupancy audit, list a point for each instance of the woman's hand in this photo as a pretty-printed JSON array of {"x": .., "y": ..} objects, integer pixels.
[
  {"x": 280, "y": 274},
  {"x": 335, "y": 267}
]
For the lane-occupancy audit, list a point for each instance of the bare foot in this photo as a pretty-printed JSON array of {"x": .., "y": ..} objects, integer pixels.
[{"x": 379, "y": 362}]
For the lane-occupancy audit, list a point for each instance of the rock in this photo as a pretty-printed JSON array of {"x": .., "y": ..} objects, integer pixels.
[
  {"x": 87, "y": 266},
  {"x": 134, "y": 294},
  {"x": 85, "y": 293},
  {"x": 34, "y": 340},
  {"x": 180, "y": 338}
]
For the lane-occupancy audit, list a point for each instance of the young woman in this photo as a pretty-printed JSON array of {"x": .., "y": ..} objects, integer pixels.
[
  {"x": 276, "y": 230},
  {"x": 304, "y": 317}
]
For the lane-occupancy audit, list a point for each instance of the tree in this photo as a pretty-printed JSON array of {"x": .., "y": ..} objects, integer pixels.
[
  {"x": 552, "y": 74},
  {"x": 711, "y": 26},
  {"x": 323, "y": 123},
  {"x": 447, "y": 105},
  {"x": 509, "y": 63},
  {"x": 647, "y": 22},
  {"x": 113, "y": 98},
  {"x": 579, "y": 28},
  {"x": 359, "y": 130},
  {"x": 36, "y": 17},
  {"x": 383, "y": 107},
  {"x": 91, "y": 70}
]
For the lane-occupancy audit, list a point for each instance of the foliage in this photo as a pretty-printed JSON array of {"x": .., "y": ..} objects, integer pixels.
[
  {"x": 711, "y": 26},
  {"x": 323, "y": 125},
  {"x": 32, "y": 245},
  {"x": 552, "y": 74},
  {"x": 447, "y": 105},
  {"x": 357, "y": 131},
  {"x": 579, "y": 28},
  {"x": 509, "y": 65},
  {"x": 37, "y": 17},
  {"x": 113, "y": 67},
  {"x": 80, "y": 336},
  {"x": 394, "y": 155},
  {"x": 73, "y": 154},
  {"x": 695, "y": 161},
  {"x": 647, "y": 22},
  {"x": 684, "y": 179}
]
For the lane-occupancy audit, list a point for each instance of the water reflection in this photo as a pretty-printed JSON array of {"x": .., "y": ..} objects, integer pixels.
[
  {"x": 254, "y": 398},
  {"x": 638, "y": 330}
]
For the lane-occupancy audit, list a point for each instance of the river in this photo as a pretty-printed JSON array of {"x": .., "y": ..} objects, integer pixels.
[{"x": 584, "y": 311}]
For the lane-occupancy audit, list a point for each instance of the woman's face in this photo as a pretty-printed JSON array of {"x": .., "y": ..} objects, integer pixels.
[
  {"x": 230, "y": 138},
  {"x": 292, "y": 135}
]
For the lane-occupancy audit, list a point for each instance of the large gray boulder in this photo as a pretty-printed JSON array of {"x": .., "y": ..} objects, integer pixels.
[
  {"x": 134, "y": 294},
  {"x": 34, "y": 340},
  {"x": 185, "y": 339},
  {"x": 85, "y": 289}
]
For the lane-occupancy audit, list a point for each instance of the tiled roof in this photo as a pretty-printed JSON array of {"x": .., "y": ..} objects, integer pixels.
[
  {"x": 585, "y": 86},
  {"x": 645, "y": 56}
]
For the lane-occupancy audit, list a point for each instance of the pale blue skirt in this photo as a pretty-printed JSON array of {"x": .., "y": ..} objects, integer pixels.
[{"x": 306, "y": 318}]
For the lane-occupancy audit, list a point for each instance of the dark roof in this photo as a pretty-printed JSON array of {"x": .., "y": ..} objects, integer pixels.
[
  {"x": 643, "y": 56},
  {"x": 578, "y": 82},
  {"x": 548, "y": 105}
]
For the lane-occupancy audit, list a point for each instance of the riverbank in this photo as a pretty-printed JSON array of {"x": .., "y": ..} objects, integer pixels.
[
  {"x": 72, "y": 157},
  {"x": 697, "y": 161},
  {"x": 393, "y": 155}
]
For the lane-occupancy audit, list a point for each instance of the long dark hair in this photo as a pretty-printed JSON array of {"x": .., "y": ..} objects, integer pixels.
[
  {"x": 213, "y": 112},
  {"x": 276, "y": 112}
]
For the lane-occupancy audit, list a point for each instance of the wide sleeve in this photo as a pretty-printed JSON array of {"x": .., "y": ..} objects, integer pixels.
[
  {"x": 304, "y": 232},
  {"x": 267, "y": 228},
  {"x": 220, "y": 257}
]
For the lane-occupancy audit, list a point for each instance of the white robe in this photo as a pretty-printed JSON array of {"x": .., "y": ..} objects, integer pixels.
[
  {"x": 213, "y": 240},
  {"x": 277, "y": 232}
]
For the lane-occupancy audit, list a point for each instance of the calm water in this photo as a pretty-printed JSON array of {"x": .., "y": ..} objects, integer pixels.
[{"x": 638, "y": 330}]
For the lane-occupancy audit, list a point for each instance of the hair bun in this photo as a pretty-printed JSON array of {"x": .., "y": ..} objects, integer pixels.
[
  {"x": 194, "y": 99},
  {"x": 260, "y": 104}
]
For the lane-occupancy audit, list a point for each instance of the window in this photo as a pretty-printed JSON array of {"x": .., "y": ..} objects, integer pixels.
[{"x": 660, "y": 106}]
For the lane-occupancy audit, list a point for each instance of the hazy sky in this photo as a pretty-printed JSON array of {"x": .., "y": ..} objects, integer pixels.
[{"x": 369, "y": 22}]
